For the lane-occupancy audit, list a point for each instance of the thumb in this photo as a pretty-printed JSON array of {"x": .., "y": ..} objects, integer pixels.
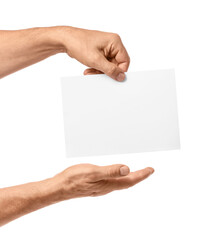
[
  {"x": 110, "y": 69},
  {"x": 113, "y": 171}
]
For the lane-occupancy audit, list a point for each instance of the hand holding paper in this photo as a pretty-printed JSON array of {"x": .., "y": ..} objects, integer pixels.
[{"x": 103, "y": 52}]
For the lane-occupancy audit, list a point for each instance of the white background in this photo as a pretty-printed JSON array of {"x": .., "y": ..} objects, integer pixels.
[{"x": 157, "y": 34}]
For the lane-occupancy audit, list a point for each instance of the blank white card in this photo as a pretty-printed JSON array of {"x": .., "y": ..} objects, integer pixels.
[{"x": 103, "y": 116}]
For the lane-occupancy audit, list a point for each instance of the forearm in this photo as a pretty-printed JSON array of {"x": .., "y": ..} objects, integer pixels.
[
  {"x": 19, "y": 200},
  {"x": 77, "y": 181},
  {"x": 100, "y": 51},
  {"x": 21, "y": 48}
]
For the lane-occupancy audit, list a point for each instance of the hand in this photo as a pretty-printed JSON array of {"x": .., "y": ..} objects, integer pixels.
[
  {"x": 77, "y": 181},
  {"x": 101, "y": 51},
  {"x": 90, "y": 180}
]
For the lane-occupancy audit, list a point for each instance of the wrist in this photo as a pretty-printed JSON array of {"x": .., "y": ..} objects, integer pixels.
[
  {"x": 63, "y": 35},
  {"x": 59, "y": 37},
  {"x": 52, "y": 38},
  {"x": 60, "y": 188},
  {"x": 50, "y": 191}
]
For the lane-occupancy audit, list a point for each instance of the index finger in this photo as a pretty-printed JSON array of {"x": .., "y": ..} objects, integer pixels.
[{"x": 122, "y": 57}]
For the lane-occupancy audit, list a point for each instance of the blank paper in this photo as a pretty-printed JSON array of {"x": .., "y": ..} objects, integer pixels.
[{"x": 103, "y": 116}]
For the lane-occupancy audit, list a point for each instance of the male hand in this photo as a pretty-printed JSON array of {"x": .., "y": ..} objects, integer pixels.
[
  {"x": 101, "y": 51},
  {"x": 77, "y": 181},
  {"x": 84, "y": 180}
]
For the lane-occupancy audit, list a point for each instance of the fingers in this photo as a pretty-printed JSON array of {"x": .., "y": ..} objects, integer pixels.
[
  {"x": 113, "y": 64},
  {"x": 112, "y": 171},
  {"x": 132, "y": 179},
  {"x": 109, "y": 68},
  {"x": 123, "y": 59},
  {"x": 140, "y": 175}
]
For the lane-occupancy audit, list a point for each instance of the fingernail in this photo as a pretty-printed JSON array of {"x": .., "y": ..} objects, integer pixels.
[
  {"x": 124, "y": 171},
  {"x": 120, "y": 77},
  {"x": 151, "y": 170}
]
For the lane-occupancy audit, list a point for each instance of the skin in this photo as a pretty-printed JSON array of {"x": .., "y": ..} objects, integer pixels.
[
  {"x": 77, "y": 181},
  {"x": 102, "y": 53}
]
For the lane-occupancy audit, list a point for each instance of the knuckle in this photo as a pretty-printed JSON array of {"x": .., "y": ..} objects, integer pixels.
[
  {"x": 110, "y": 172},
  {"x": 111, "y": 70},
  {"x": 113, "y": 172},
  {"x": 116, "y": 36}
]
